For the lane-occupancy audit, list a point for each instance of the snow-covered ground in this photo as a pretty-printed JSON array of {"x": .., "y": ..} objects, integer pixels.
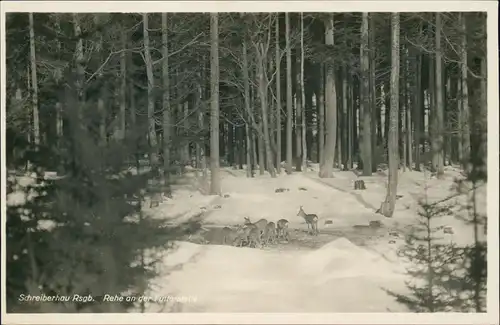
[{"x": 337, "y": 277}]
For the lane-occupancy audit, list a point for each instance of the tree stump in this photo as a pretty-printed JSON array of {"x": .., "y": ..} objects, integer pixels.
[{"x": 359, "y": 185}]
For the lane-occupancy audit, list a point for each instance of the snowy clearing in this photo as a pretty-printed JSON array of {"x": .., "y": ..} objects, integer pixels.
[{"x": 348, "y": 268}]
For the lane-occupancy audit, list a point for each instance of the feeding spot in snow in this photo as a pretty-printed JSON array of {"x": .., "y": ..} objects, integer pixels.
[
  {"x": 217, "y": 207},
  {"x": 392, "y": 241},
  {"x": 328, "y": 222},
  {"x": 302, "y": 189},
  {"x": 226, "y": 196},
  {"x": 281, "y": 190}
]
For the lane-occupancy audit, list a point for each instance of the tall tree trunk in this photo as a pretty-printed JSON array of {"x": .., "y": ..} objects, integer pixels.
[
  {"x": 261, "y": 66},
  {"x": 123, "y": 86},
  {"x": 483, "y": 111},
  {"x": 373, "y": 92},
  {"x": 34, "y": 84},
  {"x": 409, "y": 133},
  {"x": 326, "y": 170},
  {"x": 101, "y": 100},
  {"x": 151, "y": 100},
  {"x": 215, "y": 185},
  {"x": 298, "y": 116},
  {"x": 321, "y": 114},
  {"x": 418, "y": 108},
  {"x": 59, "y": 108},
  {"x": 278, "y": 97},
  {"x": 350, "y": 122},
  {"x": 79, "y": 58},
  {"x": 465, "y": 94},
  {"x": 289, "y": 99},
  {"x": 431, "y": 120},
  {"x": 345, "y": 114},
  {"x": 248, "y": 110},
  {"x": 201, "y": 145},
  {"x": 302, "y": 95},
  {"x": 387, "y": 207},
  {"x": 404, "y": 109},
  {"x": 167, "y": 131},
  {"x": 438, "y": 142},
  {"x": 366, "y": 140}
]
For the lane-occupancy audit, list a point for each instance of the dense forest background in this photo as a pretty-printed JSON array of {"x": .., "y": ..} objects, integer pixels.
[{"x": 91, "y": 95}]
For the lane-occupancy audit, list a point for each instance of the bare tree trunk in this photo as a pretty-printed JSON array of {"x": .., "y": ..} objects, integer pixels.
[
  {"x": 409, "y": 113},
  {"x": 123, "y": 86},
  {"x": 387, "y": 207},
  {"x": 483, "y": 111},
  {"x": 345, "y": 115},
  {"x": 79, "y": 58},
  {"x": 101, "y": 107},
  {"x": 418, "y": 108},
  {"x": 404, "y": 110},
  {"x": 215, "y": 185},
  {"x": 302, "y": 95},
  {"x": 278, "y": 98},
  {"x": 151, "y": 100},
  {"x": 34, "y": 84},
  {"x": 465, "y": 95},
  {"x": 248, "y": 110},
  {"x": 298, "y": 116},
  {"x": 321, "y": 114},
  {"x": 261, "y": 66},
  {"x": 201, "y": 146},
  {"x": 326, "y": 169},
  {"x": 373, "y": 92},
  {"x": 438, "y": 135},
  {"x": 366, "y": 140},
  {"x": 432, "y": 121},
  {"x": 59, "y": 108},
  {"x": 167, "y": 131},
  {"x": 289, "y": 99},
  {"x": 350, "y": 122}
]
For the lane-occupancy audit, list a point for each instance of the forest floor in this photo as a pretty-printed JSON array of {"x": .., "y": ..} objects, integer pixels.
[{"x": 348, "y": 267}]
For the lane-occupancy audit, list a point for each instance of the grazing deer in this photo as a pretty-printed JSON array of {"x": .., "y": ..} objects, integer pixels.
[
  {"x": 282, "y": 229},
  {"x": 245, "y": 235},
  {"x": 261, "y": 225},
  {"x": 228, "y": 236},
  {"x": 311, "y": 220},
  {"x": 254, "y": 238},
  {"x": 270, "y": 233}
]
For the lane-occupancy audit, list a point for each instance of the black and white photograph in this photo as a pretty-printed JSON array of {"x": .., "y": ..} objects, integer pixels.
[{"x": 209, "y": 160}]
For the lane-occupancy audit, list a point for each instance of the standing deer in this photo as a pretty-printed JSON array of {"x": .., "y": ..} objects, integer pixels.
[
  {"x": 270, "y": 233},
  {"x": 282, "y": 229},
  {"x": 248, "y": 234},
  {"x": 228, "y": 236},
  {"x": 261, "y": 225},
  {"x": 311, "y": 220}
]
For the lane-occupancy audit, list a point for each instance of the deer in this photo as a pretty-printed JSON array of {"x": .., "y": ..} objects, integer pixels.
[
  {"x": 261, "y": 225},
  {"x": 270, "y": 233},
  {"x": 228, "y": 236},
  {"x": 311, "y": 220},
  {"x": 249, "y": 234},
  {"x": 254, "y": 238},
  {"x": 282, "y": 229}
]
